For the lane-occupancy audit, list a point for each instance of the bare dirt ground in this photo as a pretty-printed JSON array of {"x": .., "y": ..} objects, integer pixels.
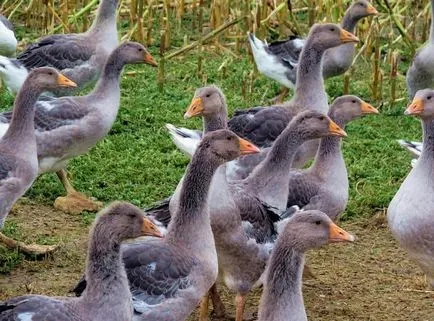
[{"x": 371, "y": 279}]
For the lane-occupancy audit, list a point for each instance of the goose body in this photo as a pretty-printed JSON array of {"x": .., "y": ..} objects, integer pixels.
[
  {"x": 107, "y": 297},
  {"x": 169, "y": 277},
  {"x": 18, "y": 149},
  {"x": 282, "y": 298},
  {"x": 262, "y": 125},
  {"x": 81, "y": 56},
  {"x": 410, "y": 213},
  {"x": 8, "y": 42},
  {"x": 279, "y": 60}
]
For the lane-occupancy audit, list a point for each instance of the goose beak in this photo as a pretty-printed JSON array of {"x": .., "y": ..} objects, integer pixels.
[
  {"x": 195, "y": 108},
  {"x": 335, "y": 130},
  {"x": 415, "y": 108},
  {"x": 336, "y": 234},
  {"x": 150, "y": 229},
  {"x": 369, "y": 109},
  {"x": 62, "y": 81},
  {"x": 348, "y": 37},
  {"x": 371, "y": 10},
  {"x": 247, "y": 147},
  {"x": 150, "y": 60}
]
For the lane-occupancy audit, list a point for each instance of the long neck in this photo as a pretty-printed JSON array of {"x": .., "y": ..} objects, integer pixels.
[
  {"x": 22, "y": 126},
  {"x": 105, "y": 16},
  {"x": 431, "y": 35},
  {"x": 428, "y": 141},
  {"x": 282, "y": 296},
  {"x": 329, "y": 152},
  {"x": 104, "y": 271},
  {"x": 349, "y": 22},
  {"x": 110, "y": 77},
  {"x": 215, "y": 122},
  {"x": 309, "y": 71},
  {"x": 279, "y": 158},
  {"x": 192, "y": 214}
]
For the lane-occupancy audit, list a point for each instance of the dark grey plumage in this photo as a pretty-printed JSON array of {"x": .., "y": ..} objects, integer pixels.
[{"x": 6, "y": 22}]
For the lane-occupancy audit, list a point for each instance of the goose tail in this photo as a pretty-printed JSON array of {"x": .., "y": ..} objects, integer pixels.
[
  {"x": 185, "y": 139},
  {"x": 415, "y": 148}
]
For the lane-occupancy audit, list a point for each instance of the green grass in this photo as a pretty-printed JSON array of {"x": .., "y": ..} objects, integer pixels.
[{"x": 137, "y": 161}]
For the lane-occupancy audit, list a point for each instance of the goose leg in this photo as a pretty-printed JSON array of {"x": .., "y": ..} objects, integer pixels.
[
  {"x": 280, "y": 98},
  {"x": 204, "y": 306},
  {"x": 74, "y": 202},
  {"x": 31, "y": 249},
  {"x": 217, "y": 304},
  {"x": 240, "y": 302}
]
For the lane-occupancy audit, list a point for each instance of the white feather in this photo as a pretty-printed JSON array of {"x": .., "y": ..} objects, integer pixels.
[
  {"x": 8, "y": 42},
  {"x": 12, "y": 75},
  {"x": 415, "y": 148},
  {"x": 187, "y": 142}
]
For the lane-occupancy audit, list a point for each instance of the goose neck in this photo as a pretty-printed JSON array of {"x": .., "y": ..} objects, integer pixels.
[
  {"x": 349, "y": 22},
  {"x": 192, "y": 213},
  {"x": 428, "y": 140},
  {"x": 110, "y": 77},
  {"x": 309, "y": 71},
  {"x": 22, "y": 125},
  {"x": 282, "y": 296},
  {"x": 215, "y": 122},
  {"x": 330, "y": 148},
  {"x": 104, "y": 264},
  {"x": 279, "y": 158},
  {"x": 105, "y": 16}
]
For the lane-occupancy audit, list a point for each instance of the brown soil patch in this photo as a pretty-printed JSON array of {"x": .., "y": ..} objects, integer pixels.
[{"x": 371, "y": 279}]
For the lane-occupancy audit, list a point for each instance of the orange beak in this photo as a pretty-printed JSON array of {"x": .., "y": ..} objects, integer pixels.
[
  {"x": 247, "y": 147},
  {"x": 415, "y": 108},
  {"x": 336, "y": 234},
  {"x": 63, "y": 81},
  {"x": 335, "y": 130},
  {"x": 150, "y": 229},
  {"x": 348, "y": 37},
  {"x": 195, "y": 108},
  {"x": 150, "y": 60},
  {"x": 369, "y": 109},
  {"x": 371, "y": 10}
]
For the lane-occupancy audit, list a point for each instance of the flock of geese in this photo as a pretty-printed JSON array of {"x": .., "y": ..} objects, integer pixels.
[{"x": 245, "y": 211}]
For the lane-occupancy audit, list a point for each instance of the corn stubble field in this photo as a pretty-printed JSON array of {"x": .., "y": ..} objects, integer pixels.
[{"x": 199, "y": 42}]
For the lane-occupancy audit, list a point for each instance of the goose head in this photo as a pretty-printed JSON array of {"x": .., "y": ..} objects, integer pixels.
[
  {"x": 48, "y": 78},
  {"x": 422, "y": 104},
  {"x": 313, "y": 229},
  {"x": 135, "y": 53},
  {"x": 313, "y": 124},
  {"x": 362, "y": 8},
  {"x": 207, "y": 101},
  {"x": 349, "y": 107},
  {"x": 226, "y": 146},
  {"x": 122, "y": 221},
  {"x": 329, "y": 35}
]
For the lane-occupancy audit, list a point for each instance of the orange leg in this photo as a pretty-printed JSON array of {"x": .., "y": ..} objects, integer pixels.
[
  {"x": 204, "y": 304},
  {"x": 240, "y": 302}
]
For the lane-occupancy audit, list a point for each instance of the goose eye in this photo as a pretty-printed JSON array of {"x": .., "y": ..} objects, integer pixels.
[
  {"x": 322, "y": 118},
  {"x": 428, "y": 98},
  {"x": 229, "y": 138},
  {"x": 208, "y": 95},
  {"x": 50, "y": 73},
  {"x": 332, "y": 29},
  {"x": 353, "y": 101},
  {"x": 318, "y": 222},
  {"x": 140, "y": 49}
]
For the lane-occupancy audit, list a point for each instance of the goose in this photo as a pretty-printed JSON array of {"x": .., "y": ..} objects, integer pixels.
[
  {"x": 409, "y": 214},
  {"x": 324, "y": 185},
  {"x": 420, "y": 75},
  {"x": 262, "y": 125},
  {"x": 81, "y": 57},
  {"x": 107, "y": 297},
  {"x": 8, "y": 42},
  {"x": 69, "y": 126},
  {"x": 169, "y": 277},
  {"x": 282, "y": 298},
  {"x": 18, "y": 160},
  {"x": 244, "y": 213},
  {"x": 278, "y": 60},
  {"x": 414, "y": 148}
]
